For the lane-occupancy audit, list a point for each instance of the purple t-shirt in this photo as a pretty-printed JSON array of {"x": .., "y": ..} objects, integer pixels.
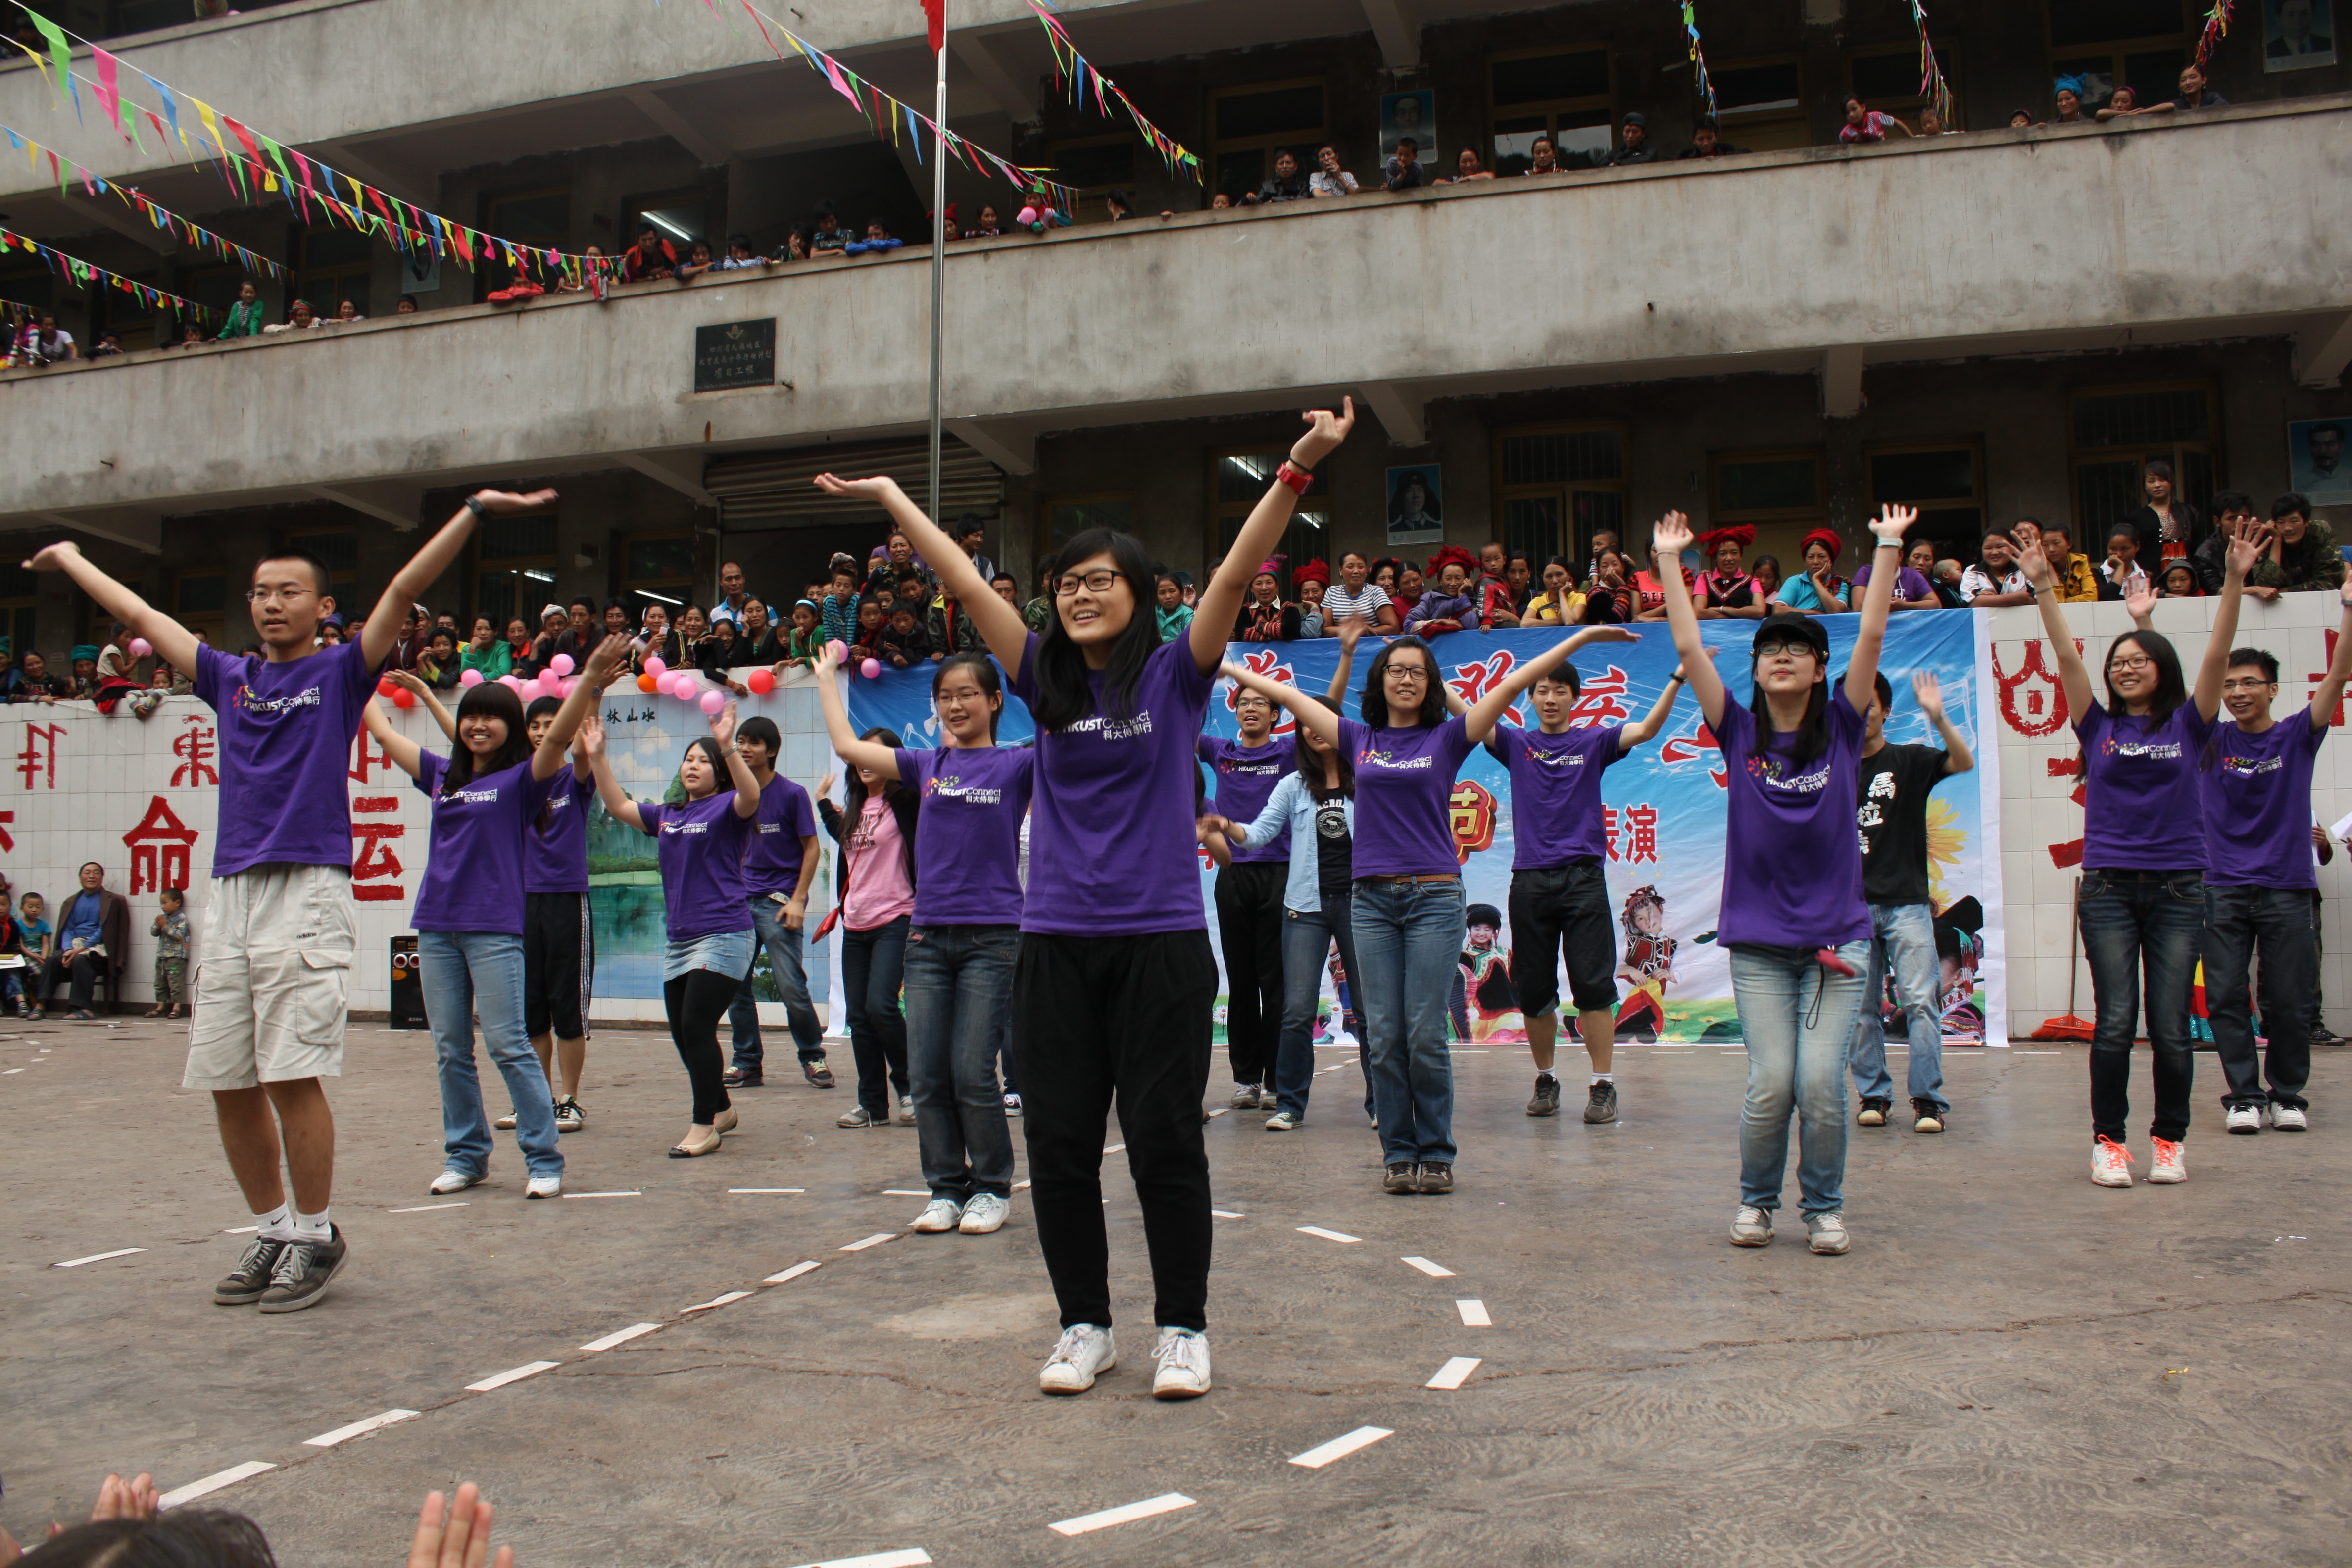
[
  {"x": 968, "y": 855},
  {"x": 1793, "y": 865},
  {"x": 555, "y": 857},
  {"x": 1245, "y": 779},
  {"x": 2257, "y": 809},
  {"x": 1112, "y": 848},
  {"x": 2140, "y": 800},
  {"x": 1912, "y": 584},
  {"x": 772, "y": 864},
  {"x": 285, "y": 755},
  {"x": 474, "y": 880},
  {"x": 1403, "y": 777},
  {"x": 701, "y": 864},
  {"x": 1555, "y": 792}
]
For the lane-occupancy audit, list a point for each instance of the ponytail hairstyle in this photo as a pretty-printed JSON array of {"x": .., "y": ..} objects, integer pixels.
[
  {"x": 492, "y": 700},
  {"x": 984, "y": 671},
  {"x": 891, "y": 788},
  {"x": 1059, "y": 672}
]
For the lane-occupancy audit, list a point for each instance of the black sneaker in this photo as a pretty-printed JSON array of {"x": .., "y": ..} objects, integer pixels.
[
  {"x": 1930, "y": 1120},
  {"x": 2321, "y": 1035},
  {"x": 1601, "y": 1104},
  {"x": 741, "y": 1077},
  {"x": 1546, "y": 1097},
  {"x": 817, "y": 1073},
  {"x": 1399, "y": 1177},
  {"x": 245, "y": 1283},
  {"x": 302, "y": 1272},
  {"x": 1437, "y": 1177},
  {"x": 1873, "y": 1113}
]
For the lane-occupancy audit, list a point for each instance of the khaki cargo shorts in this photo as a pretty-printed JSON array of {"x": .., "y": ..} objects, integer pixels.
[{"x": 273, "y": 977}]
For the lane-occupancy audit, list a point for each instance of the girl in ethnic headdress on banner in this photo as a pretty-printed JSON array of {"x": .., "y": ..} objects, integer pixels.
[
  {"x": 1649, "y": 964},
  {"x": 1490, "y": 1001}
]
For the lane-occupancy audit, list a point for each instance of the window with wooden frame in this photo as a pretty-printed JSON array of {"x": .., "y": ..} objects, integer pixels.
[
  {"x": 1064, "y": 518},
  {"x": 1760, "y": 104},
  {"x": 1945, "y": 479},
  {"x": 1237, "y": 482},
  {"x": 514, "y": 568},
  {"x": 1249, "y": 124},
  {"x": 657, "y": 568},
  {"x": 1887, "y": 80},
  {"x": 1557, "y": 485},
  {"x": 2114, "y": 432},
  {"x": 541, "y": 218},
  {"x": 1569, "y": 95},
  {"x": 2108, "y": 43},
  {"x": 1094, "y": 166}
]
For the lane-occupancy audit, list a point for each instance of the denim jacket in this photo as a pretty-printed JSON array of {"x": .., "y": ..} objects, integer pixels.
[{"x": 1293, "y": 802}]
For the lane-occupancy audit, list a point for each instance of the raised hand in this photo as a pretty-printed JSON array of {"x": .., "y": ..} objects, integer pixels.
[
  {"x": 2031, "y": 561},
  {"x": 508, "y": 501},
  {"x": 590, "y": 737},
  {"x": 824, "y": 785},
  {"x": 1930, "y": 694},
  {"x": 2141, "y": 601},
  {"x": 1892, "y": 522},
  {"x": 458, "y": 1539},
  {"x": 407, "y": 679},
  {"x": 119, "y": 1498},
  {"x": 722, "y": 725},
  {"x": 1607, "y": 633},
  {"x": 2248, "y": 539},
  {"x": 874, "y": 489},
  {"x": 612, "y": 652},
  {"x": 1329, "y": 429},
  {"x": 53, "y": 557},
  {"x": 1671, "y": 535},
  {"x": 1352, "y": 630}
]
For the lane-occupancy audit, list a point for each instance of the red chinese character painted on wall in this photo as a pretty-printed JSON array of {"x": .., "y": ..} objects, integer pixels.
[
  {"x": 1698, "y": 745},
  {"x": 1609, "y": 829},
  {"x": 1599, "y": 701},
  {"x": 1641, "y": 830},
  {"x": 376, "y": 869},
  {"x": 1471, "y": 808},
  {"x": 159, "y": 849},
  {"x": 2337, "y": 718},
  {"x": 7, "y": 839},
  {"x": 369, "y": 756},
  {"x": 38, "y": 760},
  {"x": 195, "y": 747},
  {"x": 2033, "y": 703}
]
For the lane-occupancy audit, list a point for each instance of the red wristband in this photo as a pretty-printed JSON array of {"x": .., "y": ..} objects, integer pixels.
[{"x": 1297, "y": 477}]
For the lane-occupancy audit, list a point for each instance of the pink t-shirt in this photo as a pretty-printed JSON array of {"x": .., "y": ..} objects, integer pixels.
[{"x": 878, "y": 889}]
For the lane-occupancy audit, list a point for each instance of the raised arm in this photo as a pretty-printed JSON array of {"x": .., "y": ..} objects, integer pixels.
[
  {"x": 857, "y": 753},
  {"x": 1220, "y": 600},
  {"x": 2330, "y": 690},
  {"x": 2073, "y": 676},
  {"x": 999, "y": 623},
  {"x": 425, "y": 694},
  {"x": 608, "y": 788},
  {"x": 586, "y": 693},
  {"x": 1480, "y": 722},
  {"x": 382, "y": 633},
  {"x": 738, "y": 772},
  {"x": 405, "y": 754},
  {"x": 2247, "y": 539},
  {"x": 1348, "y": 631},
  {"x": 1957, "y": 757},
  {"x": 1316, "y": 715},
  {"x": 1877, "y": 599},
  {"x": 175, "y": 642},
  {"x": 1673, "y": 536}
]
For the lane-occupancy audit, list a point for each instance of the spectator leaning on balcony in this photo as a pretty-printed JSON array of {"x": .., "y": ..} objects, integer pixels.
[
  {"x": 877, "y": 240},
  {"x": 2124, "y": 104},
  {"x": 1466, "y": 168},
  {"x": 1264, "y": 617},
  {"x": 1543, "y": 158},
  {"x": 1864, "y": 124},
  {"x": 1706, "y": 142},
  {"x": 1995, "y": 582},
  {"x": 2302, "y": 557},
  {"x": 51, "y": 343},
  {"x": 2067, "y": 95},
  {"x": 245, "y": 317},
  {"x": 1912, "y": 591},
  {"x": 347, "y": 310},
  {"x": 2077, "y": 583},
  {"x": 109, "y": 346},
  {"x": 483, "y": 653},
  {"x": 732, "y": 596},
  {"x": 2168, "y": 527},
  {"x": 741, "y": 254},
  {"x": 1636, "y": 148},
  {"x": 2193, "y": 94},
  {"x": 35, "y": 683},
  {"x": 1329, "y": 179},
  {"x": 299, "y": 317},
  {"x": 1308, "y": 582},
  {"x": 1403, "y": 172},
  {"x": 651, "y": 257},
  {"x": 1286, "y": 186},
  {"x": 827, "y": 234},
  {"x": 1450, "y": 606},
  {"x": 439, "y": 667},
  {"x": 1818, "y": 590}
]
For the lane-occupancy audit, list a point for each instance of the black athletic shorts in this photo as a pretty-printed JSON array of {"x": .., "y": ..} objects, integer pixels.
[
  {"x": 559, "y": 965},
  {"x": 1554, "y": 907}
]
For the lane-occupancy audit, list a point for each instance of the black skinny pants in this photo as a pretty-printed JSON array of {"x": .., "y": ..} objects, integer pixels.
[
  {"x": 697, "y": 999},
  {"x": 1249, "y": 930}
]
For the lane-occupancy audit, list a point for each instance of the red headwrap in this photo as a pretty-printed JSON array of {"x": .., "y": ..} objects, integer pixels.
[
  {"x": 1826, "y": 539},
  {"x": 1452, "y": 555},
  {"x": 1313, "y": 572},
  {"x": 1271, "y": 568},
  {"x": 1741, "y": 534}
]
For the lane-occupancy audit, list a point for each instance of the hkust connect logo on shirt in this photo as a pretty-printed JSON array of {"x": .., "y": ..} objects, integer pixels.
[
  {"x": 2247, "y": 767},
  {"x": 270, "y": 706},
  {"x": 1372, "y": 757},
  {"x": 1766, "y": 771},
  {"x": 2164, "y": 751},
  {"x": 951, "y": 786}
]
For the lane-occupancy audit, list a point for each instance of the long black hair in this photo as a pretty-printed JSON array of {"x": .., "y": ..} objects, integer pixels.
[
  {"x": 1064, "y": 696},
  {"x": 1310, "y": 769},
  {"x": 2171, "y": 690},
  {"x": 492, "y": 700},
  {"x": 708, "y": 747},
  {"x": 1375, "y": 704},
  {"x": 983, "y": 674},
  {"x": 891, "y": 788}
]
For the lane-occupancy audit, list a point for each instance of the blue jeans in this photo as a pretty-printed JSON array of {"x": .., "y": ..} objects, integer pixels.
[
  {"x": 1409, "y": 938},
  {"x": 1797, "y": 1019},
  {"x": 2132, "y": 919},
  {"x": 464, "y": 972},
  {"x": 959, "y": 989},
  {"x": 2280, "y": 920},
  {"x": 873, "y": 966},
  {"x": 1306, "y": 942},
  {"x": 786, "y": 962},
  {"x": 1904, "y": 938}
]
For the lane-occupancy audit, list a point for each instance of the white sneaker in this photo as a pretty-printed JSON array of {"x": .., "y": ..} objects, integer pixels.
[
  {"x": 1083, "y": 1352},
  {"x": 2170, "y": 1163},
  {"x": 449, "y": 1182},
  {"x": 2244, "y": 1119},
  {"x": 984, "y": 1214},
  {"x": 2111, "y": 1163},
  {"x": 1184, "y": 1358},
  {"x": 1825, "y": 1234},
  {"x": 940, "y": 1215},
  {"x": 1752, "y": 1227},
  {"x": 505, "y": 1124},
  {"x": 1245, "y": 1097},
  {"x": 543, "y": 1187},
  {"x": 906, "y": 1117},
  {"x": 2290, "y": 1118},
  {"x": 1285, "y": 1121}
]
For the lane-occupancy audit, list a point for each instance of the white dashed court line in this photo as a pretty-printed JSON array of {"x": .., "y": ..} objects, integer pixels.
[
  {"x": 716, "y": 1301},
  {"x": 910, "y": 1558},
  {"x": 620, "y": 1336},
  {"x": 604, "y": 1195},
  {"x": 5, "y": 1071},
  {"x": 906, "y": 1192},
  {"x": 1018, "y": 1186},
  {"x": 1218, "y": 1111},
  {"x": 98, "y": 1257},
  {"x": 1434, "y": 1270},
  {"x": 1228, "y": 1214},
  {"x": 512, "y": 1374},
  {"x": 794, "y": 1272},
  {"x": 876, "y": 1240},
  {"x": 1455, "y": 1373},
  {"x": 1340, "y": 1448},
  {"x": 1115, "y": 1148},
  {"x": 1474, "y": 1314},
  {"x": 244, "y": 1230},
  {"x": 1327, "y": 1235},
  {"x": 427, "y": 1208},
  {"x": 357, "y": 1429},
  {"x": 1125, "y": 1513},
  {"x": 212, "y": 1483},
  {"x": 770, "y": 1192}
]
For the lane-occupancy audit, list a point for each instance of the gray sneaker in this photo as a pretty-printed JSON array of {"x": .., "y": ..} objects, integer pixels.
[
  {"x": 1601, "y": 1104},
  {"x": 1285, "y": 1120},
  {"x": 1825, "y": 1234},
  {"x": 303, "y": 1269},
  {"x": 245, "y": 1283},
  {"x": 1751, "y": 1227},
  {"x": 1546, "y": 1101}
]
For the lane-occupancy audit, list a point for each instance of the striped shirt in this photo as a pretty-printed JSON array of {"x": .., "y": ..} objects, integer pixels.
[{"x": 1338, "y": 603}]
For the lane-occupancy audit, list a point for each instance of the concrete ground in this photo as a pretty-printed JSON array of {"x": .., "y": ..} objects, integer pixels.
[{"x": 2012, "y": 1366}]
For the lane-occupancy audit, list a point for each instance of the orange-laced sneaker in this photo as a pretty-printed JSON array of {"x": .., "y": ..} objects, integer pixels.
[
  {"x": 2111, "y": 1163},
  {"x": 2170, "y": 1163}
]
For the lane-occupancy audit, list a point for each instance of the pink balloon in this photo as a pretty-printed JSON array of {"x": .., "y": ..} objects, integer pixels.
[
  {"x": 870, "y": 669},
  {"x": 563, "y": 688},
  {"x": 712, "y": 701},
  {"x": 560, "y": 664},
  {"x": 140, "y": 647},
  {"x": 470, "y": 680},
  {"x": 683, "y": 686},
  {"x": 530, "y": 690},
  {"x": 654, "y": 666},
  {"x": 840, "y": 650},
  {"x": 511, "y": 682},
  {"x": 1026, "y": 215}
]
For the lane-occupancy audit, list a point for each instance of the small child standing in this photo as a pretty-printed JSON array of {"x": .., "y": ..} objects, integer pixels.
[
  {"x": 16, "y": 965},
  {"x": 170, "y": 931},
  {"x": 905, "y": 643}
]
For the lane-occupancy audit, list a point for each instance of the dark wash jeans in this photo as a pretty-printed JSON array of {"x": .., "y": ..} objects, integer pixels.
[
  {"x": 873, "y": 964},
  {"x": 788, "y": 963},
  {"x": 1306, "y": 942},
  {"x": 2278, "y": 920},
  {"x": 2137, "y": 922},
  {"x": 958, "y": 990}
]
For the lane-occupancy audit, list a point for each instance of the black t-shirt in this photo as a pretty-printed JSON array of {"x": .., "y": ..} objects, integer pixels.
[
  {"x": 1891, "y": 817},
  {"x": 1335, "y": 853}
]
